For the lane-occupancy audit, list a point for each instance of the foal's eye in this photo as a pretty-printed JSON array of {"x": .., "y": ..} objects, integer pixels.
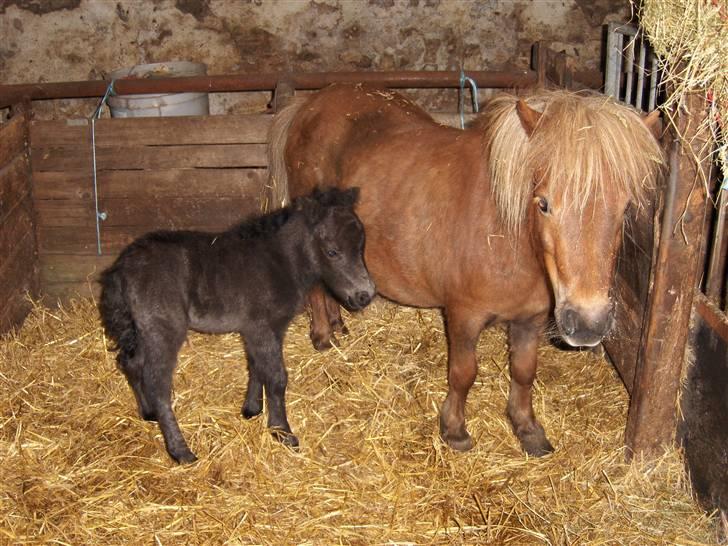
[
  {"x": 331, "y": 253},
  {"x": 543, "y": 205}
]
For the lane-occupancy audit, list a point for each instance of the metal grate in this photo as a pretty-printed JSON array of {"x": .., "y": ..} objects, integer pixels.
[{"x": 632, "y": 74}]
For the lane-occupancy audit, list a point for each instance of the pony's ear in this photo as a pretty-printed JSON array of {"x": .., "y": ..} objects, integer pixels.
[
  {"x": 528, "y": 116},
  {"x": 653, "y": 123}
]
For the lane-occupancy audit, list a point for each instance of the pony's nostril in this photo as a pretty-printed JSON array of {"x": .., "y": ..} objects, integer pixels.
[{"x": 568, "y": 321}]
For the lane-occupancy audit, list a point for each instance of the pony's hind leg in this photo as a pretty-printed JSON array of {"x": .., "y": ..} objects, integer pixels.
[
  {"x": 160, "y": 360},
  {"x": 333, "y": 310},
  {"x": 463, "y": 330},
  {"x": 523, "y": 338}
]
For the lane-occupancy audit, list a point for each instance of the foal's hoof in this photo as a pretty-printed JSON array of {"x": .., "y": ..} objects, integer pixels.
[
  {"x": 251, "y": 410},
  {"x": 183, "y": 456},
  {"x": 286, "y": 438},
  {"x": 535, "y": 443}
]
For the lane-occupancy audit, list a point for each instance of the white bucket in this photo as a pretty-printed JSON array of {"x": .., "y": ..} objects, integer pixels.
[{"x": 169, "y": 104}]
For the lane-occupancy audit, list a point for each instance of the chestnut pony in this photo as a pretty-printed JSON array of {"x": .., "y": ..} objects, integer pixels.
[{"x": 516, "y": 216}]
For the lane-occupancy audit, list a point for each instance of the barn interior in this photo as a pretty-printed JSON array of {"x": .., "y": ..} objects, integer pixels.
[{"x": 638, "y": 426}]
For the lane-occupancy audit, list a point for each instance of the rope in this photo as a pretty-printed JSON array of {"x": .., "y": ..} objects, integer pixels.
[
  {"x": 100, "y": 216},
  {"x": 473, "y": 96}
]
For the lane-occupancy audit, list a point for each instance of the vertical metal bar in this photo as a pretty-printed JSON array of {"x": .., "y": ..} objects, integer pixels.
[
  {"x": 641, "y": 74},
  {"x": 629, "y": 71},
  {"x": 611, "y": 77},
  {"x": 653, "y": 83},
  {"x": 715, "y": 282}
]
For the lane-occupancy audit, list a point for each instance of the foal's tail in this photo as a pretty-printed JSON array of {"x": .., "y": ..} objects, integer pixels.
[
  {"x": 277, "y": 187},
  {"x": 116, "y": 315}
]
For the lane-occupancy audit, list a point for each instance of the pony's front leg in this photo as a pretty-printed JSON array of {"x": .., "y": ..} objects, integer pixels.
[
  {"x": 462, "y": 332},
  {"x": 524, "y": 339},
  {"x": 321, "y": 332}
]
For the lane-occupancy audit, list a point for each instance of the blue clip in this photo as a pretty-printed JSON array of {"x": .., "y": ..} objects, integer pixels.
[{"x": 473, "y": 96}]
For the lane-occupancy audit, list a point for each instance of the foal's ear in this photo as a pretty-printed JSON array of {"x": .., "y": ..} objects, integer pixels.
[
  {"x": 349, "y": 197},
  {"x": 313, "y": 211},
  {"x": 653, "y": 123},
  {"x": 528, "y": 116}
]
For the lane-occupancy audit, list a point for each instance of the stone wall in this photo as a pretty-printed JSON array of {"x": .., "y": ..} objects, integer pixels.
[{"x": 62, "y": 40}]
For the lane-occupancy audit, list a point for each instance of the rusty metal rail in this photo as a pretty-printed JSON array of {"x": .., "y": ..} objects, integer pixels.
[{"x": 10, "y": 94}]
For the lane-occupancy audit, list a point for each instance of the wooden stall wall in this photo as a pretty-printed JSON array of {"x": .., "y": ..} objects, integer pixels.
[
  {"x": 18, "y": 257},
  {"x": 152, "y": 173}
]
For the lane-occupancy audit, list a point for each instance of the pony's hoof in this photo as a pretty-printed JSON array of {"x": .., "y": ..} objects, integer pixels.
[
  {"x": 536, "y": 444},
  {"x": 286, "y": 438},
  {"x": 459, "y": 442},
  {"x": 321, "y": 343}
]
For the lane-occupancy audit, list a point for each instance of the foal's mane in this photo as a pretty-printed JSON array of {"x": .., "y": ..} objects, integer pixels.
[
  {"x": 260, "y": 226},
  {"x": 583, "y": 141}
]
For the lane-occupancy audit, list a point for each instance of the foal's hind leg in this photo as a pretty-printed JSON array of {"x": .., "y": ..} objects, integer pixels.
[
  {"x": 160, "y": 359},
  {"x": 524, "y": 339},
  {"x": 132, "y": 369},
  {"x": 253, "y": 404}
]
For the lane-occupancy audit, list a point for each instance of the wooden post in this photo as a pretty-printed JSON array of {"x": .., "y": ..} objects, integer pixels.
[{"x": 676, "y": 271}]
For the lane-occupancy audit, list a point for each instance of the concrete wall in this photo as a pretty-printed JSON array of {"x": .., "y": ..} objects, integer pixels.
[{"x": 61, "y": 40}]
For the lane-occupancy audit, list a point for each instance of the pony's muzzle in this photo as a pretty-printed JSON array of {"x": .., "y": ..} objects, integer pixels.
[{"x": 584, "y": 327}]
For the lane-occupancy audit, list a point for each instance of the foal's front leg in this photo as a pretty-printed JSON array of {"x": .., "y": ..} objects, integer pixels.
[
  {"x": 266, "y": 369},
  {"x": 524, "y": 339}
]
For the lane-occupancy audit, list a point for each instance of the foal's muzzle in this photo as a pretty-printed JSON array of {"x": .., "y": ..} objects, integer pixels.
[
  {"x": 360, "y": 299},
  {"x": 584, "y": 327}
]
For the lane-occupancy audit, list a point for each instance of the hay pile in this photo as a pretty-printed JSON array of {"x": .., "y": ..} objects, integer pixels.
[
  {"x": 691, "y": 39},
  {"x": 79, "y": 467}
]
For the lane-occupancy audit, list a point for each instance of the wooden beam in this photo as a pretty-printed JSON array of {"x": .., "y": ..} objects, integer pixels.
[{"x": 652, "y": 421}]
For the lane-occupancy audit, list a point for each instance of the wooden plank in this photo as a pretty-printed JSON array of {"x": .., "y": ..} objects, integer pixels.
[
  {"x": 14, "y": 185},
  {"x": 69, "y": 268},
  {"x": 12, "y": 139},
  {"x": 67, "y": 158},
  {"x": 652, "y": 418},
  {"x": 197, "y": 183},
  {"x": 166, "y": 212},
  {"x": 227, "y": 129},
  {"x": 55, "y": 293},
  {"x": 16, "y": 225},
  {"x": 17, "y": 279},
  {"x": 78, "y": 240}
]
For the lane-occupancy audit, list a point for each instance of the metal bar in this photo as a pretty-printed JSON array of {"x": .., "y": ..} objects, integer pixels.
[
  {"x": 630, "y": 72},
  {"x": 611, "y": 76},
  {"x": 262, "y": 82},
  {"x": 718, "y": 266},
  {"x": 641, "y": 74},
  {"x": 653, "y": 83}
]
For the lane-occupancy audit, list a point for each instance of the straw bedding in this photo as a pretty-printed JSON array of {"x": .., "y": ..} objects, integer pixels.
[{"x": 77, "y": 466}]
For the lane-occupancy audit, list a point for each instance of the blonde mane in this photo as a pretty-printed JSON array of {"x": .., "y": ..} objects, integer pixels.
[{"x": 583, "y": 141}]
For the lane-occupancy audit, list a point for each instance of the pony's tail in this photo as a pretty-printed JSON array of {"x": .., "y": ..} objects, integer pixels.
[
  {"x": 116, "y": 315},
  {"x": 277, "y": 195}
]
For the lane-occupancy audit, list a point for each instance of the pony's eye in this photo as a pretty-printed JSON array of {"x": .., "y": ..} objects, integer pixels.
[
  {"x": 543, "y": 205},
  {"x": 331, "y": 253}
]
